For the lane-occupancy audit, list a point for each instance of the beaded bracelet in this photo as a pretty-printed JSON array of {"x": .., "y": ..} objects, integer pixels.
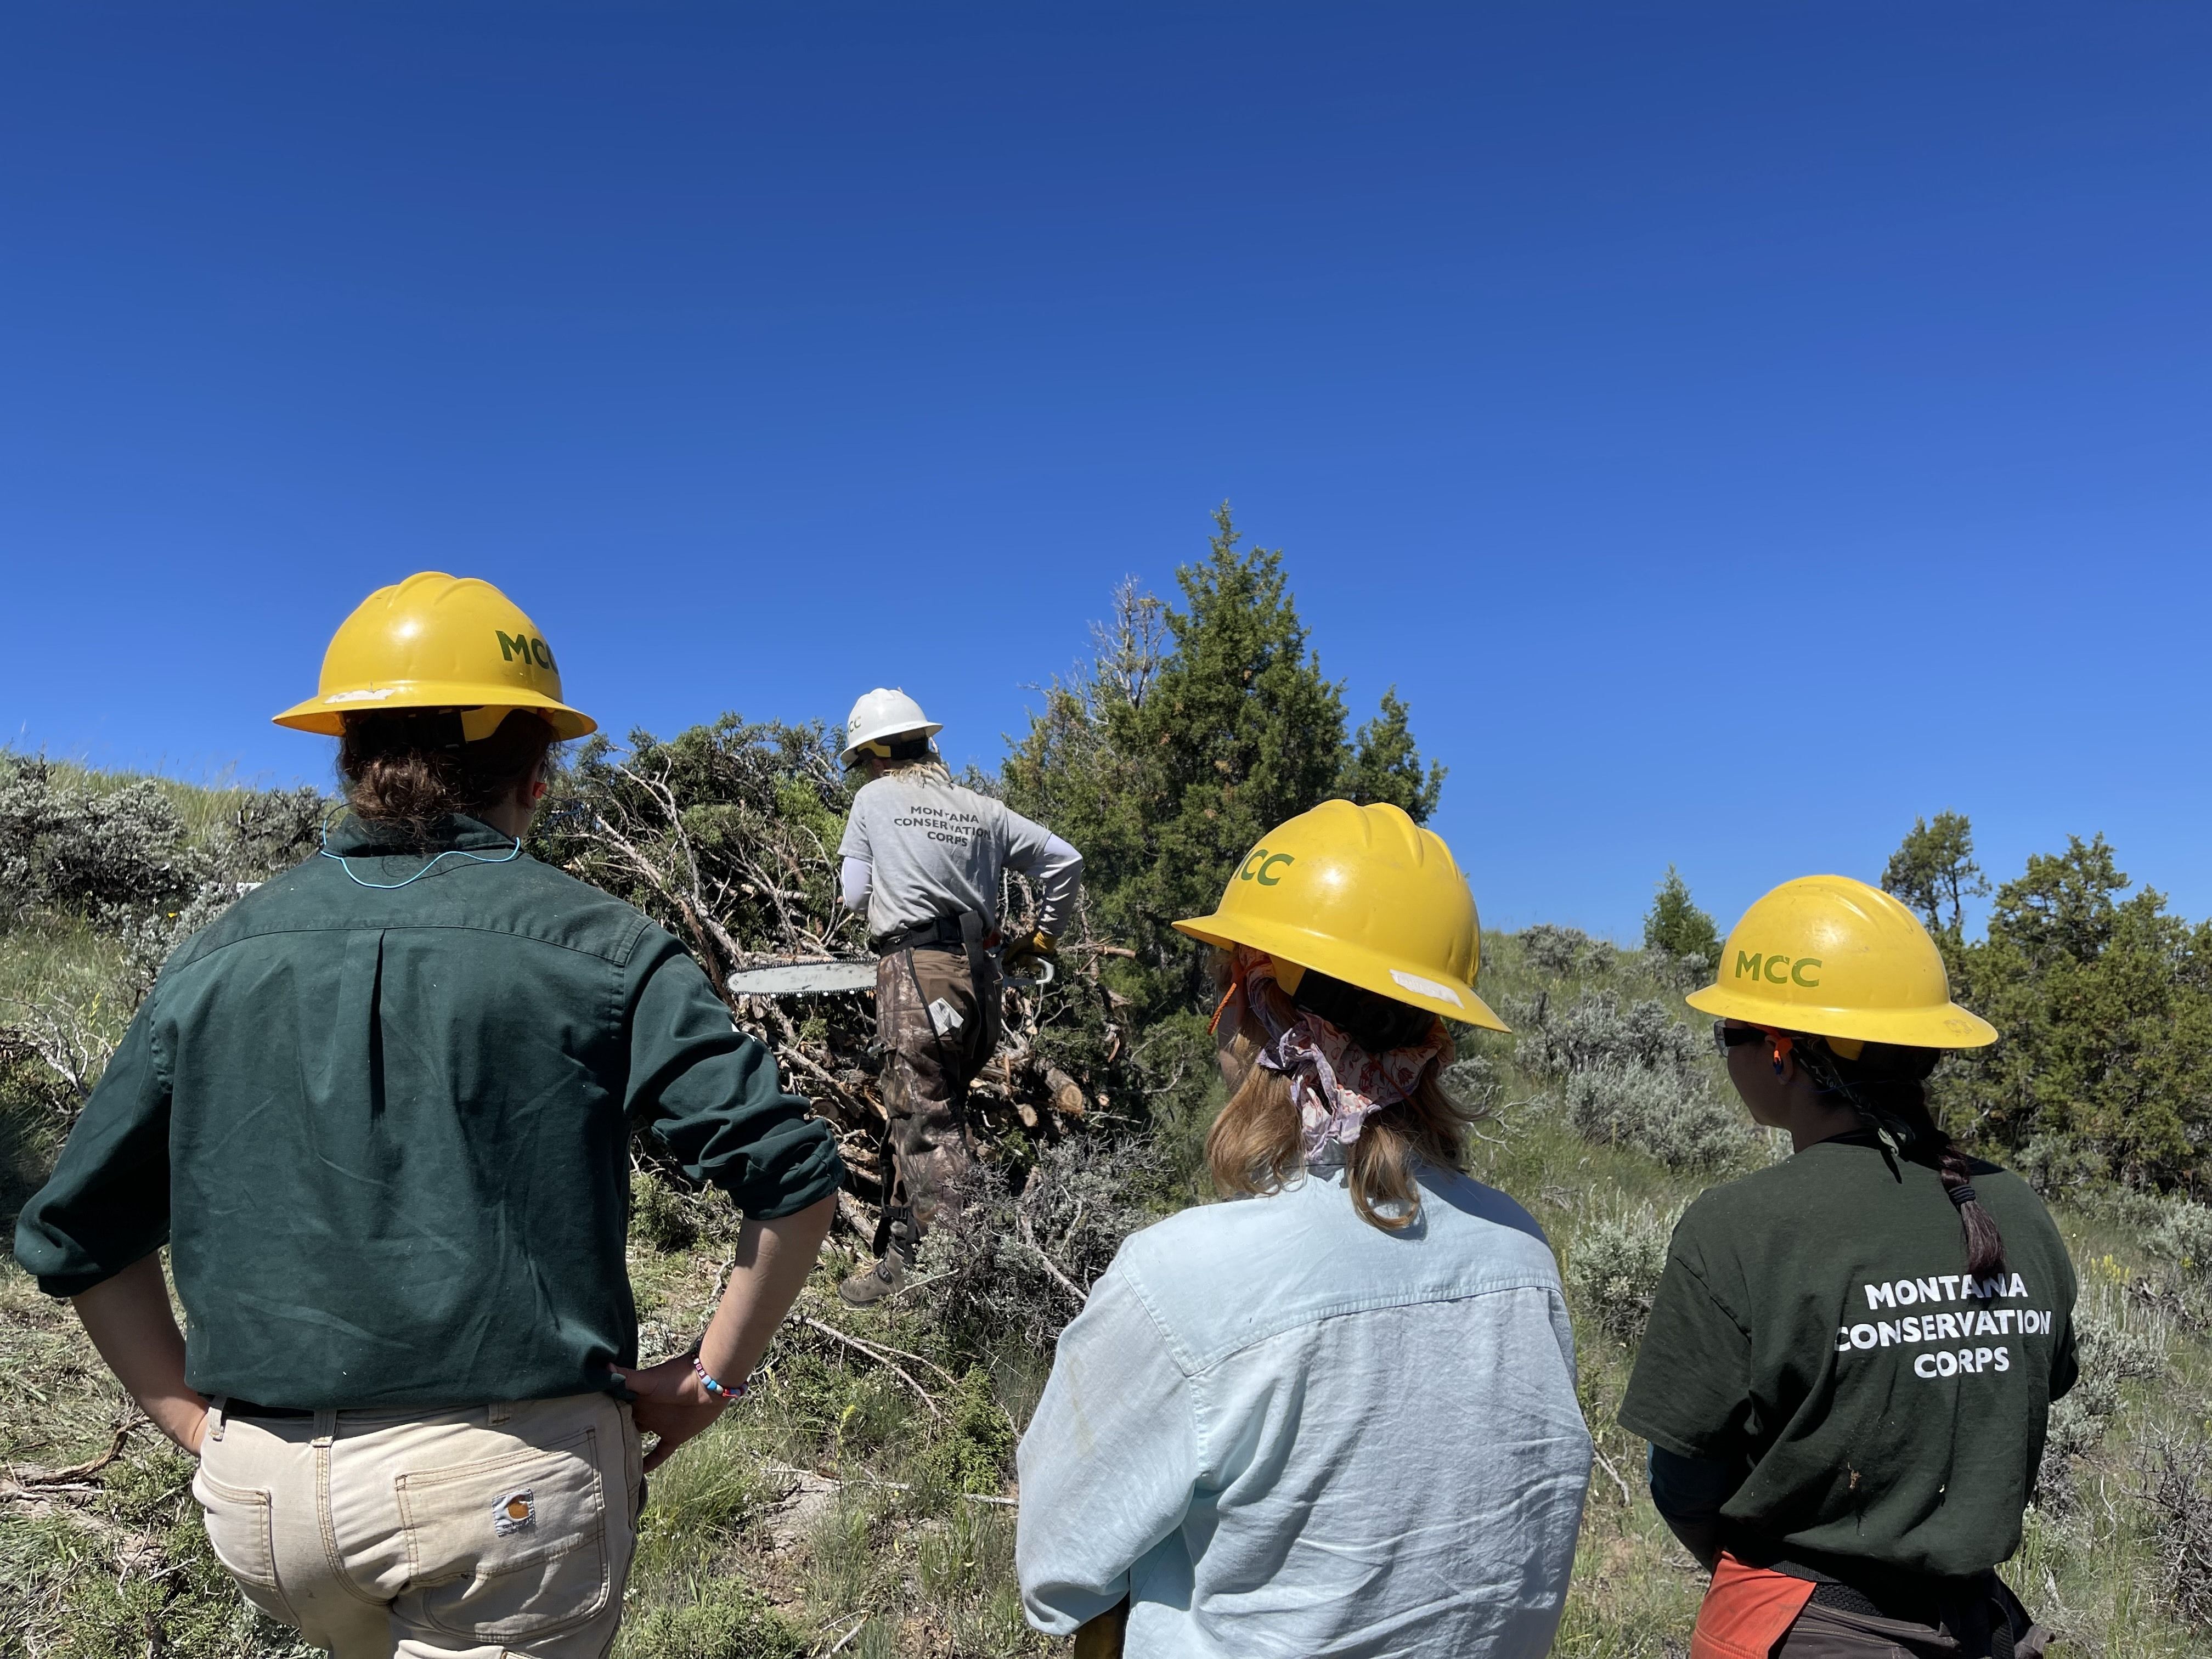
[{"x": 718, "y": 1390}]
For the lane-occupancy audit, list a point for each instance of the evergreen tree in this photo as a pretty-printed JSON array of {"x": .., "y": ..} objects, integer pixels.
[
  {"x": 1240, "y": 731},
  {"x": 1677, "y": 928},
  {"x": 1383, "y": 765},
  {"x": 1192, "y": 733},
  {"x": 2104, "y": 1005},
  {"x": 1934, "y": 867}
]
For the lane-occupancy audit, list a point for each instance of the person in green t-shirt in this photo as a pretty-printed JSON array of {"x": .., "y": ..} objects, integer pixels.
[{"x": 1852, "y": 1354}]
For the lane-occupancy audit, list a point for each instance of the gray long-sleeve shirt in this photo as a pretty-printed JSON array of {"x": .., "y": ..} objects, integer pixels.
[{"x": 933, "y": 848}]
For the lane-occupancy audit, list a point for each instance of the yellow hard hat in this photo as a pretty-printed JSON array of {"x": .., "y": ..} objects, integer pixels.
[
  {"x": 438, "y": 641},
  {"x": 1835, "y": 958},
  {"x": 1364, "y": 894}
]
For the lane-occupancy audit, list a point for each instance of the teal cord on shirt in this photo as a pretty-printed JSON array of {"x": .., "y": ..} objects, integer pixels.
[{"x": 507, "y": 857}]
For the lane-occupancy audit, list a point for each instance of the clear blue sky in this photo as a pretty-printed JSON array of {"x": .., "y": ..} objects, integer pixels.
[{"x": 1735, "y": 429}]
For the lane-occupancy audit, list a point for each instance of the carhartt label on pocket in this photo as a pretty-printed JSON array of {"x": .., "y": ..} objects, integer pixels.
[
  {"x": 514, "y": 1512},
  {"x": 944, "y": 1018},
  {"x": 510, "y": 1546}
]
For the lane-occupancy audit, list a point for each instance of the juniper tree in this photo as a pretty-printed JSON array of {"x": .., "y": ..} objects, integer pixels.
[
  {"x": 1934, "y": 867},
  {"x": 1384, "y": 766},
  {"x": 1240, "y": 731},
  {"x": 1676, "y": 926},
  {"x": 2105, "y": 1004},
  {"x": 1191, "y": 733}
]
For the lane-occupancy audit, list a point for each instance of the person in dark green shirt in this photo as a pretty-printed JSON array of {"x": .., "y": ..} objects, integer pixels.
[
  {"x": 380, "y": 1111},
  {"x": 1852, "y": 1353}
]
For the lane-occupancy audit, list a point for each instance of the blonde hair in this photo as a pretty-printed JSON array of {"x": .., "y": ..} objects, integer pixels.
[
  {"x": 1256, "y": 1146},
  {"x": 928, "y": 766}
]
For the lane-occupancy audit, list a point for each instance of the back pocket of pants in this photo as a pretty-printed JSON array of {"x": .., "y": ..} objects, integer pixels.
[
  {"x": 514, "y": 1545},
  {"x": 240, "y": 1529}
]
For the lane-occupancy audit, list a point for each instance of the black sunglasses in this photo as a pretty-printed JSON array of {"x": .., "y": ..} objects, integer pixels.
[{"x": 1726, "y": 1036}]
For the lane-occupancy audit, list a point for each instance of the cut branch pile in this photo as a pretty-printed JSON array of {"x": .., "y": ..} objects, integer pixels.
[{"x": 727, "y": 836}]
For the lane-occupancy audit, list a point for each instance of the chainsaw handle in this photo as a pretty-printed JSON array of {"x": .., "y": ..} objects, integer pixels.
[{"x": 1046, "y": 971}]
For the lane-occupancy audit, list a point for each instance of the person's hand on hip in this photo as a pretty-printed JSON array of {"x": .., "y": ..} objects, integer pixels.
[
  {"x": 679, "y": 1398},
  {"x": 672, "y": 1403}
]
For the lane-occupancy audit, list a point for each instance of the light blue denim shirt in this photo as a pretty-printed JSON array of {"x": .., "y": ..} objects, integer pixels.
[{"x": 1279, "y": 1430}]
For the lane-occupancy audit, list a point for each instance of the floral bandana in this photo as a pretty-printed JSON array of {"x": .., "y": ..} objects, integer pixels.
[{"x": 1334, "y": 1081}]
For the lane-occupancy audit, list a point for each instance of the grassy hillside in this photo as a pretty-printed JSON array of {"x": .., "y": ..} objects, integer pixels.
[{"x": 859, "y": 1502}]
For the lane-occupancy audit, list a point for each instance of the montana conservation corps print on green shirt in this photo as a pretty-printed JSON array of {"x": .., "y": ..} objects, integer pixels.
[
  {"x": 1981, "y": 1315},
  {"x": 1815, "y": 1329}
]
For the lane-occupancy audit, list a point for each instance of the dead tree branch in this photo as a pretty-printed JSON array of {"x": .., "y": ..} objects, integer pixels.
[
  {"x": 1060, "y": 1277},
  {"x": 35, "y": 1477}
]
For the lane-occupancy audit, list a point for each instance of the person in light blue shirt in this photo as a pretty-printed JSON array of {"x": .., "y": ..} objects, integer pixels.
[{"x": 1337, "y": 1414}]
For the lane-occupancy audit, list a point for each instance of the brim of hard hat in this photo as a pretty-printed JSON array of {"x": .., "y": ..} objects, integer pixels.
[
  {"x": 1945, "y": 1025},
  {"x": 327, "y": 714},
  {"x": 928, "y": 729},
  {"x": 1454, "y": 998}
]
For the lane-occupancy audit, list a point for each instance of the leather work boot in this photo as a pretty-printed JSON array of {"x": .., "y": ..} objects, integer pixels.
[{"x": 873, "y": 1282}]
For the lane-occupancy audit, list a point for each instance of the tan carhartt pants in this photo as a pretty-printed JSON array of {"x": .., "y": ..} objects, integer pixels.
[{"x": 500, "y": 1530}]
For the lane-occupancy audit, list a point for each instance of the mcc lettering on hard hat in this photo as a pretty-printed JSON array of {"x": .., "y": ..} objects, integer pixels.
[
  {"x": 1834, "y": 957},
  {"x": 885, "y": 712},
  {"x": 438, "y": 641},
  {"x": 1364, "y": 894}
]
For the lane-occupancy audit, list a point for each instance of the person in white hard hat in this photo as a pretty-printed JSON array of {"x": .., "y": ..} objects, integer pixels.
[{"x": 924, "y": 858}]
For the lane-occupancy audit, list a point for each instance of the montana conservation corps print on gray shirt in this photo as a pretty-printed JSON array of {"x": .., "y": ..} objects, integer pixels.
[{"x": 934, "y": 848}]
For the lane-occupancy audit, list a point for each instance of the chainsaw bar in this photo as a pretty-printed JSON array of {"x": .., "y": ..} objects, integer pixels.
[
  {"x": 815, "y": 976},
  {"x": 807, "y": 976}
]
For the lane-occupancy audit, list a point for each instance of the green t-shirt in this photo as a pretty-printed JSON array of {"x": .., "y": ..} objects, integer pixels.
[{"x": 1814, "y": 1328}]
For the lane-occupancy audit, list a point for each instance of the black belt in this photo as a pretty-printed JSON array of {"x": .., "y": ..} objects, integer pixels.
[
  {"x": 247, "y": 1408},
  {"x": 296, "y": 1414},
  {"x": 1876, "y": 1591},
  {"x": 937, "y": 930}
]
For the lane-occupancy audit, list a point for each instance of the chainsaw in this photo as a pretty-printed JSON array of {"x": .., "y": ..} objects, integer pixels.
[{"x": 815, "y": 976}]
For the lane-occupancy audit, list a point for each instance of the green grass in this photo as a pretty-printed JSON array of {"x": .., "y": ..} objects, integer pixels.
[
  {"x": 61, "y": 959},
  {"x": 835, "y": 1506}
]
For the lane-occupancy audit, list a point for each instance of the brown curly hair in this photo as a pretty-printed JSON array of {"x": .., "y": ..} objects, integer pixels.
[{"x": 409, "y": 769}]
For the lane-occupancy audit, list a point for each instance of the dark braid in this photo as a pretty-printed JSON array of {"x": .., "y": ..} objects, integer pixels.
[{"x": 1886, "y": 1086}]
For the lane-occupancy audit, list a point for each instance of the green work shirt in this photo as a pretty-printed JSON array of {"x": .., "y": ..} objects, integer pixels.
[
  {"x": 385, "y": 1129},
  {"x": 1813, "y": 1331}
]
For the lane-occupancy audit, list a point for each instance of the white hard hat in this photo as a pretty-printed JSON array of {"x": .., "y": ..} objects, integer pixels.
[{"x": 885, "y": 712}]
